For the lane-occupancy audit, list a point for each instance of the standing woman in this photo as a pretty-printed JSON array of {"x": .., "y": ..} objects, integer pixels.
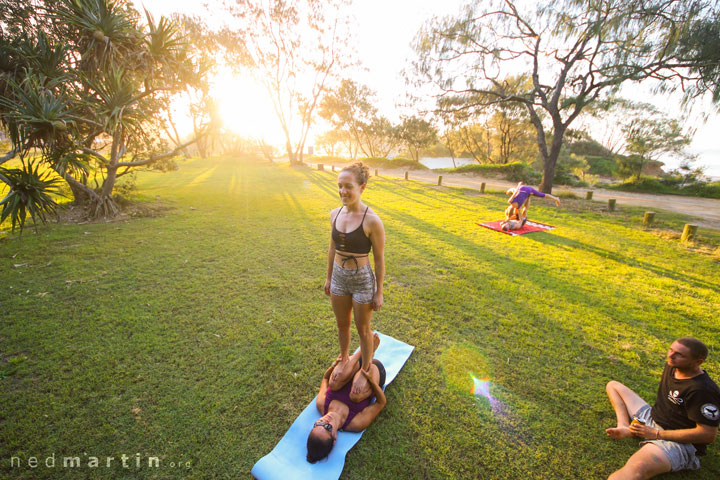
[{"x": 350, "y": 284}]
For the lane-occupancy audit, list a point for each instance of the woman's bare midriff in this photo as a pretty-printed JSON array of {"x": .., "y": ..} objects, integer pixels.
[{"x": 350, "y": 262}]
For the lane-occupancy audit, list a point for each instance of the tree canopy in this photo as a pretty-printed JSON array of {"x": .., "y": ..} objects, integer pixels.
[
  {"x": 83, "y": 84},
  {"x": 571, "y": 52},
  {"x": 295, "y": 49}
]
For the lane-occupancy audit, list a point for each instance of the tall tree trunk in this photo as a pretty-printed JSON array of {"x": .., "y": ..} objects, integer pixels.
[{"x": 550, "y": 160}]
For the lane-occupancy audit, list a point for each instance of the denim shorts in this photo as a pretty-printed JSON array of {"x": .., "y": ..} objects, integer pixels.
[
  {"x": 358, "y": 283},
  {"x": 681, "y": 455}
]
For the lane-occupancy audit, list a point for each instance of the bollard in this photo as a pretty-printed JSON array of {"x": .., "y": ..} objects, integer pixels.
[
  {"x": 482, "y": 187},
  {"x": 688, "y": 232},
  {"x": 611, "y": 205},
  {"x": 588, "y": 195},
  {"x": 376, "y": 173},
  {"x": 406, "y": 174},
  {"x": 333, "y": 168},
  {"x": 648, "y": 219},
  {"x": 321, "y": 167},
  {"x": 439, "y": 180}
]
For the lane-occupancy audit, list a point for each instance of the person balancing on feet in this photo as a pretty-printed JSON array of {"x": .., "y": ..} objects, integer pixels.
[
  {"x": 356, "y": 230},
  {"x": 684, "y": 419},
  {"x": 516, "y": 213}
]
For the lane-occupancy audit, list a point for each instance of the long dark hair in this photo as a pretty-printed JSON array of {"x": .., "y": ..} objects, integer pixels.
[{"x": 318, "y": 447}]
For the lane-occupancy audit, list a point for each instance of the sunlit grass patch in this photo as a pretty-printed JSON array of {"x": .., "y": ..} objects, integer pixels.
[{"x": 201, "y": 333}]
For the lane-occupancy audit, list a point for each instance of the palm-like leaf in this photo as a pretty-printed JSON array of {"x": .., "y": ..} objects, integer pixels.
[
  {"x": 30, "y": 193},
  {"x": 115, "y": 103},
  {"x": 36, "y": 116},
  {"x": 105, "y": 26}
]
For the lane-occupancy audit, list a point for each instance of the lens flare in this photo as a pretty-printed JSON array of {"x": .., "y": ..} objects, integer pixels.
[{"x": 481, "y": 386}]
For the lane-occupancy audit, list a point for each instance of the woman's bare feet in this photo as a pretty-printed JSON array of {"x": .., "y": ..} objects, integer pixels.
[
  {"x": 619, "y": 432},
  {"x": 361, "y": 387},
  {"x": 341, "y": 369}
]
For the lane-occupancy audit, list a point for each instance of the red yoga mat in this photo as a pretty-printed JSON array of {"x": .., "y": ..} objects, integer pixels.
[{"x": 529, "y": 227}]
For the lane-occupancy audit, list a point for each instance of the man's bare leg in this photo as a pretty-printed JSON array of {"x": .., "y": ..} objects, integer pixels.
[
  {"x": 625, "y": 402},
  {"x": 647, "y": 462}
]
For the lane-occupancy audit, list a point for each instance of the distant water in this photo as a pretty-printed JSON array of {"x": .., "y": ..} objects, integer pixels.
[{"x": 445, "y": 162}]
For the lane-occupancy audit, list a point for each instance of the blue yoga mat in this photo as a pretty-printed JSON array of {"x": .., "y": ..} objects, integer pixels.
[{"x": 287, "y": 460}]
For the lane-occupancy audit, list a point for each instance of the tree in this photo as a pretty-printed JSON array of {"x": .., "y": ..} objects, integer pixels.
[
  {"x": 511, "y": 135},
  {"x": 575, "y": 50},
  {"x": 473, "y": 140},
  {"x": 84, "y": 84},
  {"x": 649, "y": 137},
  {"x": 417, "y": 133},
  {"x": 294, "y": 48},
  {"x": 701, "y": 42},
  {"x": 349, "y": 108},
  {"x": 332, "y": 141}
]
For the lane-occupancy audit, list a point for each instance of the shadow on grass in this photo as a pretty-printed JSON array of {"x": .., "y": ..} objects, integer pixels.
[{"x": 564, "y": 242}]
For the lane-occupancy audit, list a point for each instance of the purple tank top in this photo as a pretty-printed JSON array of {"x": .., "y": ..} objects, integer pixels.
[
  {"x": 343, "y": 395},
  {"x": 524, "y": 192}
]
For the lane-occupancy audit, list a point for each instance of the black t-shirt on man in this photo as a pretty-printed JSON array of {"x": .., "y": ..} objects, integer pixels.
[{"x": 686, "y": 402}]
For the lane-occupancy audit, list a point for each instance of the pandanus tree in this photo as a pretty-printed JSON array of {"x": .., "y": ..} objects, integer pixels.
[{"x": 83, "y": 88}]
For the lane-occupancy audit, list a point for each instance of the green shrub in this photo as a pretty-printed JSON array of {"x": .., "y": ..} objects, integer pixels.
[
  {"x": 601, "y": 165},
  {"x": 327, "y": 159},
  {"x": 397, "y": 162},
  {"x": 700, "y": 189},
  {"x": 514, "y": 172},
  {"x": 655, "y": 185}
]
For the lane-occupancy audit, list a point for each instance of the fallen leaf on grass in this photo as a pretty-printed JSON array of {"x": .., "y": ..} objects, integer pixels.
[
  {"x": 136, "y": 411},
  {"x": 18, "y": 265},
  {"x": 42, "y": 294}
]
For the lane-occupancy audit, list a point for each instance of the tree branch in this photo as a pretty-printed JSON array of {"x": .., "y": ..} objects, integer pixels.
[
  {"x": 155, "y": 158},
  {"x": 95, "y": 154},
  {"x": 8, "y": 156}
]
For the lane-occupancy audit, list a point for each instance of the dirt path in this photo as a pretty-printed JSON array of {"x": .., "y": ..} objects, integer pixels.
[{"x": 709, "y": 208}]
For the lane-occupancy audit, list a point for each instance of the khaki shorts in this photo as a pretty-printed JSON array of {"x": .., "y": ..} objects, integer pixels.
[{"x": 681, "y": 455}]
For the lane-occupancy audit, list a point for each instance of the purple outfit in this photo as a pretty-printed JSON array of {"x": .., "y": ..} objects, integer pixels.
[
  {"x": 522, "y": 194},
  {"x": 343, "y": 395}
]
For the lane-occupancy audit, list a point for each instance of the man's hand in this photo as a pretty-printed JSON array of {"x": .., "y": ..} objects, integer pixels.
[{"x": 643, "y": 431}]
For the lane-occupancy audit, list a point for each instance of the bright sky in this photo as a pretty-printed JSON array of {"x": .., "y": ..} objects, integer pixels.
[{"x": 384, "y": 31}]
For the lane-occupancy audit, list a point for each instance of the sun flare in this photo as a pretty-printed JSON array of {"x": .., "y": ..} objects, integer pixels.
[{"x": 245, "y": 108}]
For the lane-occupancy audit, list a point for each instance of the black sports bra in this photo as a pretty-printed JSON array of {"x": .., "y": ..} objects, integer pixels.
[{"x": 351, "y": 242}]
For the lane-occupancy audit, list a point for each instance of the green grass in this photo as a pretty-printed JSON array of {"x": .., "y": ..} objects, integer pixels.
[{"x": 199, "y": 335}]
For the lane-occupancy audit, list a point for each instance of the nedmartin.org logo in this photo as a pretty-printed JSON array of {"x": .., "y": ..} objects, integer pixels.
[{"x": 84, "y": 460}]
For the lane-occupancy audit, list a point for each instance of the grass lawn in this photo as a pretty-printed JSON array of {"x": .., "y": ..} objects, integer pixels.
[{"x": 199, "y": 335}]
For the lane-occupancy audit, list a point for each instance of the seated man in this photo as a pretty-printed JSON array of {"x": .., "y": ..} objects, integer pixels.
[{"x": 682, "y": 422}]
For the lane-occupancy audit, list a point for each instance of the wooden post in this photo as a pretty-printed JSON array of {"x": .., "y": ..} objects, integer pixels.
[
  {"x": 321, "y": 167},
  {"x": 482, "y": 187},
  {"x": 406, "y": 174},
  {"x": 333, "y": 168},
  {"x": 588, "y": 195},
  {"x": 376, "y": 173},
  {"x": 611, "y": 204},
  {"x": 439, "y": 180},
  {"x": 689, "y": 232},
  {"x": 648, "y": 219}
]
